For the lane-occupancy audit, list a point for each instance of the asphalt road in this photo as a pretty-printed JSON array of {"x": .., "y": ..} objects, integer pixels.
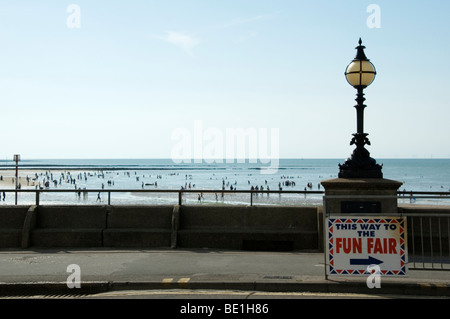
[
  {"x": 157, "y": 265},
  {"x": 202, "y": 283},
  {"x": 99, "y": 271}
]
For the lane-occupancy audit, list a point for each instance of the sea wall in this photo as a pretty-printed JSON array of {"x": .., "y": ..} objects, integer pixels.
[
  {"x": 198, "y": 226},
  {"x": 228, "y": 227}
]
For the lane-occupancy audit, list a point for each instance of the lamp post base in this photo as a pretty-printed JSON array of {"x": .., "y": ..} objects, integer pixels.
[{"x": 357, "y": 167}]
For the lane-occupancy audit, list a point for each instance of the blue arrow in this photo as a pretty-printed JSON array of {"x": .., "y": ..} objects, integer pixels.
[{"x": 368, "y": 261}]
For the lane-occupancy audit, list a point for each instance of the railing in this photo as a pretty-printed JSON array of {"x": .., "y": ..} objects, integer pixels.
[
  {"x": 410, "y": 196},
  {"x": 429, "y": 241},
  {"x": 180, "y": 194},
  {"x": 417, "y": 195}
]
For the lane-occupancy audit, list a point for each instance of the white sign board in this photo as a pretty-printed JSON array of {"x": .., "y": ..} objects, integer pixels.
[{"x": 354, "y": 243}]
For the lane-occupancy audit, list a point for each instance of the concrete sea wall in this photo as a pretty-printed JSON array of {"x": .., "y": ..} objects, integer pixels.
[
  {"x": 281, "y": 228},
  {"x": 230, "y": 227}
]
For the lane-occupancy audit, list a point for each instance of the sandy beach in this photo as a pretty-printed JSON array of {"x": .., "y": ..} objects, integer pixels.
[
  {"x": 27, "y": 177},
  {"x": 125, "y": 179},
  {"x": 7, "y": 178}
]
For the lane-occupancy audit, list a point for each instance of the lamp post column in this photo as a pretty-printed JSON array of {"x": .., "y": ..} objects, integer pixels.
[
  {"x": 360, "y": 138},
  {"x": 360, "y": 73},
  {"x": 360, "y": 111}
]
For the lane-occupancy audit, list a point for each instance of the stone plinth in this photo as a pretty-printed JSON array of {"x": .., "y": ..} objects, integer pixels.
[{"x": 374, "y": 196}]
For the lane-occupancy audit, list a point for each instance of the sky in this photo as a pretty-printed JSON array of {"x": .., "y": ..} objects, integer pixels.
[{"x": 177, "y": 78}]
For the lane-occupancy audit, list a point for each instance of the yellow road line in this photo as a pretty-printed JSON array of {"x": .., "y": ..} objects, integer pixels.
[{"x": 183, "y": 281}]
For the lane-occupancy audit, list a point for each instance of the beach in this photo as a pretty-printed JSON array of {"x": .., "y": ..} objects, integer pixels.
[
  {"x": 195, "y": 183},
  {"x": 198, "y": 178},
  {"x": 7, "y": 178},
  {"x": 28, "y": 178}
]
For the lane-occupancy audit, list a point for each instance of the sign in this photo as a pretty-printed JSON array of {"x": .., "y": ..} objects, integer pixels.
[{"x": 354, "y": 243}]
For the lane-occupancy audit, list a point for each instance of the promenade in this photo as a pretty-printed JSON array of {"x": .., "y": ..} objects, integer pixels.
[{"x": 51, "y": 272}]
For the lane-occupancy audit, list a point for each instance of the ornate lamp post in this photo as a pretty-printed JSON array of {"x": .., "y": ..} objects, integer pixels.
[{"x": 360, "y": 73}]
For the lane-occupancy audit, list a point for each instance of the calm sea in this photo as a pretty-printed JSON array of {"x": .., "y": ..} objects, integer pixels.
[{"x": 292, "y": 174}]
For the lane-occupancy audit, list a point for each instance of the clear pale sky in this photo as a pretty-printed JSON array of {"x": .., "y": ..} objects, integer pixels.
[{"x": 118, "y": 82}]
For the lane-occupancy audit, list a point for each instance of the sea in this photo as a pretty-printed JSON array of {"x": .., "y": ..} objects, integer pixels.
[{"x": 201, "y": 177}]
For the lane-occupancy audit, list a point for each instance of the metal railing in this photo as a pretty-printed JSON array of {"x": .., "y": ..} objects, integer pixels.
[
  {"x": 429, "y": 241},
  {"x": 410, "y": 196},
  {"x": 417, "y": 195},
  {"x": 178, "y": 194}
]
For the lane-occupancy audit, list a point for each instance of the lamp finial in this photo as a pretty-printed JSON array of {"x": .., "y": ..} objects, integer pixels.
[{"x": 360, "y": 55}]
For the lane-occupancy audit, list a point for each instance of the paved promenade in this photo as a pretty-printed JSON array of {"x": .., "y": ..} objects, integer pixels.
[{"x": 47, "y": 272}]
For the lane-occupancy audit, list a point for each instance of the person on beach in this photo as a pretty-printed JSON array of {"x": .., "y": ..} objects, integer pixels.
[{"x": 98, "y": 197}]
